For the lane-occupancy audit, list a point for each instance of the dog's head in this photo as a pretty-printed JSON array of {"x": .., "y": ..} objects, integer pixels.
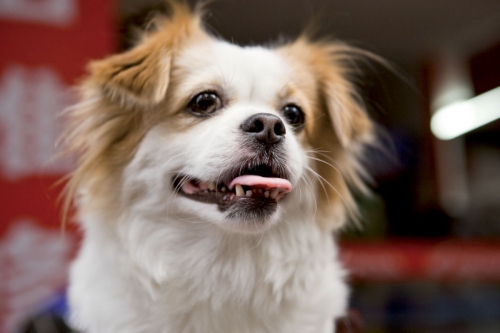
[{"x": 188, "y": 126}]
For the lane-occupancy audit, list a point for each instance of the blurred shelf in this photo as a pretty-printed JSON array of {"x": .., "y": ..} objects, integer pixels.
[{"x": 404, "y": 260}]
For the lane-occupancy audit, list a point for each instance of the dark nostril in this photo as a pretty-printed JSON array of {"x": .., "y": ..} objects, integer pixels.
[
  {"x": 257, "y": 126},
  {"x": 279, "y": 128},
  {"x": 265, "y": 127}
]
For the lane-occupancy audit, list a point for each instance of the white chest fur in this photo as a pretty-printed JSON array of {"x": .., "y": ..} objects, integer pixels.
[{"x": 175, "y": 277}]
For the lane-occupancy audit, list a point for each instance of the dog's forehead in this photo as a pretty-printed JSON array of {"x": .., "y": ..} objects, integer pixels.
[{"x": 251, "y": 73}]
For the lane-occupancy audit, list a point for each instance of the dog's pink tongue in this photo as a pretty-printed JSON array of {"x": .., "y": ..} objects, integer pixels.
[{"x": 262, "y": 182}]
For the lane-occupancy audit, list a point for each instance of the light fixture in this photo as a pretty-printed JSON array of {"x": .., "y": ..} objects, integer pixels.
[{"x": 459, "y": 118}]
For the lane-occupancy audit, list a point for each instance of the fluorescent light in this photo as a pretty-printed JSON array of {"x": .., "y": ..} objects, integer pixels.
[{"x": 456, "y": 119}]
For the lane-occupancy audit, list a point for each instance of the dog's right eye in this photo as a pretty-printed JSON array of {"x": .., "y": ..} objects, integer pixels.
[{"x": 204, "y": 104}]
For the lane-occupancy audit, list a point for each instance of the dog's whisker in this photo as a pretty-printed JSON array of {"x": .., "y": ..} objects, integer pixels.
[
  {"x": 330, "y": 158},
  {"x": 307, "y": 182},
  {"x": 323, "y": 161},
  {"x": 167, "y": 163},
  {"x": 300, "y": 192},
  {"x": 321, "y": 180},
  {"x": 260, "y": 239},
  {"x": 279, "y": 229}
]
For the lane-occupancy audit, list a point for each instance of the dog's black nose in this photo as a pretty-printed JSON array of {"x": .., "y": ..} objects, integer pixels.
[{"x": 265, "y": 127}]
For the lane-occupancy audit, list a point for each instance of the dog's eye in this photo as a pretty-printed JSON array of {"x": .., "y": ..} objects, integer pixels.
[
  {"x": 205, "y": 103},
  {"x": 294, "y": 115}
]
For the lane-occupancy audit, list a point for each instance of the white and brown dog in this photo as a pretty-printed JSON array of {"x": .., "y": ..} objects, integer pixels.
[{"x": 209, "y": 181}]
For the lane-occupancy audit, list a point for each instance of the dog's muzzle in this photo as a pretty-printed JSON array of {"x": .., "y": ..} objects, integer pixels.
[{"x": 251, "y": 187}]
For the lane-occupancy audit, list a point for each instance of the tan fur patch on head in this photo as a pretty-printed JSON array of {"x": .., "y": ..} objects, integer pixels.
[
  {"x": 117, "y": 97},
  {"x": 141, "y": 75},
  {"x": 337, "y": 126}
]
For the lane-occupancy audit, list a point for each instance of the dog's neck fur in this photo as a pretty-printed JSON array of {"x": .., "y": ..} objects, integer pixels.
[{"x": 173, "y": 275}]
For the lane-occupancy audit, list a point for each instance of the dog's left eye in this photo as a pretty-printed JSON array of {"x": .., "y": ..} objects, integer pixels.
[
  {"x": 204, "y": 103},
  {"x": 294, "y": 115}
]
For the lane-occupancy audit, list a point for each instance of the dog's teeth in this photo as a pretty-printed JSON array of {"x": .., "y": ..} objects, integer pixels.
[
  {"x": 211, "y": 186},
  {"x": 223, "y": 189},
  {"x": 266, "y": 194},
  {"x": 239, "y": 190},
  {"x": 249, "y": 193},
  {"x": 274, "y": 193},
  {"x": 260, "y": 190}
]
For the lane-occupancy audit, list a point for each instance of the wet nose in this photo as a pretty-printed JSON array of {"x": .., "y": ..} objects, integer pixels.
[{"x": 265, "y": 128}]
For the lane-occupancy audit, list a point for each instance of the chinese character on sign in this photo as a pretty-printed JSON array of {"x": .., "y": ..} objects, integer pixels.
[
  {"x": 55, "y": 12},
  {"x": 30, "y": 105}
]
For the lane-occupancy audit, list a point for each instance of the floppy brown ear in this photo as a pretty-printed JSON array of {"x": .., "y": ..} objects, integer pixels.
[
  {"x": 142, "y": 74},
  {"x": 330, "y": 65},
  {"x": 334, "y": 65},
  {"x": 139, "y": 75},
  {"x": 343, "y": 138},
  {"x": 347, "y": 115},
  {"x": 106, "y": 126},
  {"x": 338, "y": 126}
]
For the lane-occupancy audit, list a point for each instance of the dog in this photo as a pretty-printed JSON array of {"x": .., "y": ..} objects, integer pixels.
[{"x": 210, "y": 178}]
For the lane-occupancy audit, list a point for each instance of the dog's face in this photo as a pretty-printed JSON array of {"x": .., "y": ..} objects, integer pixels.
[
  {"x": 232, "y": 146},
  {"x": 188, "y": 126}
]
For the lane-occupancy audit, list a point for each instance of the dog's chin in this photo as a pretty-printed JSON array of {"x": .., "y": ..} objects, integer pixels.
[
  {"x": 247, "y": 227},
  {"x": 250, "y": 215},
  {"x": 246, "y": 215}
]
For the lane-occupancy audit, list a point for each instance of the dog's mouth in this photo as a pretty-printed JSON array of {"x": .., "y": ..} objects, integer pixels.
[{"x": 253, "y": 191}]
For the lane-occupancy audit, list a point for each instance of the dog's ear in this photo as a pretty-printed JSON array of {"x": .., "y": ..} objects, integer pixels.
[
  {"x": 345, "y": 109},
  {"x": 332, "y": 64},
  {"x": 337, "y": 127},
  {"x": 141, "y": 75},
  {"x": 342, "y": 132},
  {"x": 105, "y": 128}
]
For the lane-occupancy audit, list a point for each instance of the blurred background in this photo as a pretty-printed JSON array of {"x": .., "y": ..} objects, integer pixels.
[{"x": 427, "y": 258}]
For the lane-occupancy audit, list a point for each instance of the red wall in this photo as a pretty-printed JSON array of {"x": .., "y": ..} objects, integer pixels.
[{"x": 45, "y": 45}]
